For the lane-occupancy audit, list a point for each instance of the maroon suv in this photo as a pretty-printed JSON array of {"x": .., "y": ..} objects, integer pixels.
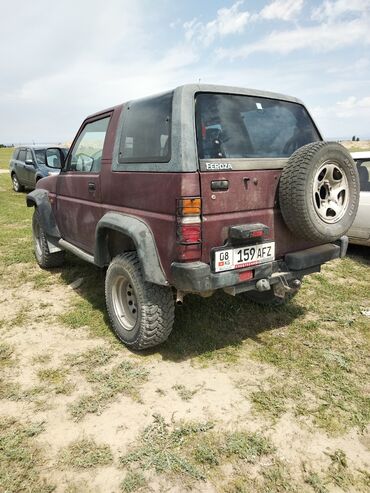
[{"x": 197, "y": 189}]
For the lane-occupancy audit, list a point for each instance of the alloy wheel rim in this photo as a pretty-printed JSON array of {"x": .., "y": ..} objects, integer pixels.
[
  {"x": 15, "y": 183},
  {"x": 330, "y": 192},
  {"x": 125, "y": 302}
]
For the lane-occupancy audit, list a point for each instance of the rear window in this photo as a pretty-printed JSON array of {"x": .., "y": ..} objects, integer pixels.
[
  {"x": 232, "y": 126},
  {"x": 146, "y": 129}
]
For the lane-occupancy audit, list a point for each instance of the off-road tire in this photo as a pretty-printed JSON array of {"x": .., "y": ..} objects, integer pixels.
[
  {"x": 44, "y": 257},
  {"x": 154, "y": 304},
  {"x": 17, "y": 187},
  {"x": 299, "y": 200}
]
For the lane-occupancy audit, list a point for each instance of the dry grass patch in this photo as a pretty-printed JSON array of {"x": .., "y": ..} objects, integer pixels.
[{"x": 85, "y": 454}]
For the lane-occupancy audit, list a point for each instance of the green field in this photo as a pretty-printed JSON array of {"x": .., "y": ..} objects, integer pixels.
[
  {"x": 5, "y": 155},
  {"x": 239, "y": 399}
]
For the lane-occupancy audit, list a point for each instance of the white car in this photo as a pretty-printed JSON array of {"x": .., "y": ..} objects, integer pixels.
[{"x": 359, "y": 232}]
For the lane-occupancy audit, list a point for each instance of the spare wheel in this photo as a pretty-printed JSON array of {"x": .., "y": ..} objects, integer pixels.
[{"x": 319, "y": 191}]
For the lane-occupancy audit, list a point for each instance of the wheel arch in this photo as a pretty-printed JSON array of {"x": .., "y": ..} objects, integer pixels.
[
  {"x": 117, "y": 233},
  {"x": 40, "y": 198}
]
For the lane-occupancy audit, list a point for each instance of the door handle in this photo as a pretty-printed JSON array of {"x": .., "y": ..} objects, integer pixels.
[{"x": 91, "y": 186}]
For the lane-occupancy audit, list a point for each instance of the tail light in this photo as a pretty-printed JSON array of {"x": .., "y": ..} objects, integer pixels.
[{"x": 189, "y": 228}]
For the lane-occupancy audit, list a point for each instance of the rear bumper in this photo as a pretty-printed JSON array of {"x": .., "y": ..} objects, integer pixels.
[{"x": 198, "y": 277}]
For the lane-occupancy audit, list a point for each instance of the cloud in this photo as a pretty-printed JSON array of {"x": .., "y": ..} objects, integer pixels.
[
  {"x": 323, "y": 38},
  {"x": 332, "y": 10},
  {"x": 228, "y": 21},
  {"x": 285, "y": 10}
]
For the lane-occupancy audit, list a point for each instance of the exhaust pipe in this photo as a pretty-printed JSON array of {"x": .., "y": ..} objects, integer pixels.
[{"x": 179, "y": 298}]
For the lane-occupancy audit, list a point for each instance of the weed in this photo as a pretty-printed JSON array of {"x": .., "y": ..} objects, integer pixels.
[
  {"x": 164, "y": 450},
  {"x": 247, "y": 446},
  {"x": 85, "y": 454},
  {"x": 20, "y": 458},
  {"x": 6, "y": 354},
  {"x": 125, "y": 378},
  {"x": 133, "y": 481},
  {"x": 184, "y": 393},
  {"x": 313, "y": 479},
  {"x": 56, "y": 380},
  {"x": 90, "y": 360}
]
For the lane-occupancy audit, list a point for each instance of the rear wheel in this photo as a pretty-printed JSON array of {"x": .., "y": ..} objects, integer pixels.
[
  {"x": 141, "y": 313},
  {"x": 17, "y": 187},
  {"x": 44, "y": 257}
]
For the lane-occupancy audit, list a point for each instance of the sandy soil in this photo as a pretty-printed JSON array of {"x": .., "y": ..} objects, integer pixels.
[{"x": 218, "y": 398}]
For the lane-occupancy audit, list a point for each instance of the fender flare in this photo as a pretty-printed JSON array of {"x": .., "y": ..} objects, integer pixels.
[
  {"x": 141, "y": 235},
  {"x": 40, "y": 198}
]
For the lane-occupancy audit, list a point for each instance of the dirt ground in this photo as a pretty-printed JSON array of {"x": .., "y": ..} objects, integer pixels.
[{"x": 30, "y": 322}]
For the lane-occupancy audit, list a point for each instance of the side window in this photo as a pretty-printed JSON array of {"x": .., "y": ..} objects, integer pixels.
[
  {"x": 15, "y": 153},
  {"x": 363, "y": 168},
  {"x": 146, "y": 135},
  {"x": 29, "y": 155},
  {"x": 22, "y": 155},
  {"x": 87, "y": 152}
]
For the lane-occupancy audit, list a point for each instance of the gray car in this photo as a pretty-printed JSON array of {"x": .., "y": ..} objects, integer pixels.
[{"x": 28, "y": 164}]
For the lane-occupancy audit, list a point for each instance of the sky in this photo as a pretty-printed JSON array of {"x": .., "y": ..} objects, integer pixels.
[{"x": 62, "y": 61}]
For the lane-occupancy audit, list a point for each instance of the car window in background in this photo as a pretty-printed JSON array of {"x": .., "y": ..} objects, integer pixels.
[
  {"x": 40, "y": 156},
  {"x": 363, "y": 168},
  {"x": 22, "y": 155},
  {"x": 232, "y": 126},
  {"x": 29, "y": 156}
]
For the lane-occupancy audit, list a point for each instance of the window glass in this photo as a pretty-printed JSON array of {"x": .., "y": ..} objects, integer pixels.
[
  {"x": 363, "y": 168},
  {"x": 29, "y": 156},
  {"x": 232, "y": 126},
  {"x": 87, "y": 152},
  {"x": 40, "y": 156},
  {"x": 15, "y": 153},
  {"x": 146, "y": 131},
  {"x": 22, "y": 155}
]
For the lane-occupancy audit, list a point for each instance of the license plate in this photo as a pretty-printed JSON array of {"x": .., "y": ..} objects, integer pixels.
[{"x": 237, "y": 258}]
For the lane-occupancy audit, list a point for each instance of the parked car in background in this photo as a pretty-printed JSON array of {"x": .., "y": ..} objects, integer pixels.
[
  {"x": 28, "y": 165},
  {"x": 360, "y": 230}
]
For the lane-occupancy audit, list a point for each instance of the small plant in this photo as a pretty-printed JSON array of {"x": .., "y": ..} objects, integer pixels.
[
  {"x": 185, "y": 393},
  {"x": 125, "y": 378},
  {"x": 133, "y": 482},
  {"x": 85, "y": 454}
]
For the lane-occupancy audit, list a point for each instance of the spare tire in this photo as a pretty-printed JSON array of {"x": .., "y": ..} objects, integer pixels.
[{"x": 319, "y": 191}]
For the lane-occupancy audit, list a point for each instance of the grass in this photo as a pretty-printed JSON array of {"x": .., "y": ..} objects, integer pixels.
[
  {"x": 124, "y": 378},
  {"x": 194, "y": 451},
  {"x": 184, "y": 393},
  {"x": 133, "y": 481},
  {"x": 6, "y": 355},
  {"x": 21, "y": 460},
  {"x": 85, "y": 454},
  {"x": 56, "y": 380},
  {"x": 5, "y": 156}
]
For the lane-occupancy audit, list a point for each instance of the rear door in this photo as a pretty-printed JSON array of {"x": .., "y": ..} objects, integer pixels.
[
  {"x": 29, "y": 169},
  {"x": 20, "y": 166},
  {"x": 78, "y": 185},
  {"x": 243, "y": 144}
]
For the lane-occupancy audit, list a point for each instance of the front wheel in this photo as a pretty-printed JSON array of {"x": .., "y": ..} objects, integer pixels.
[
  {"x": 141, "y": 313},
  {"x": 17, "y": 187},
  {"x": 44, "y": 257}
]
